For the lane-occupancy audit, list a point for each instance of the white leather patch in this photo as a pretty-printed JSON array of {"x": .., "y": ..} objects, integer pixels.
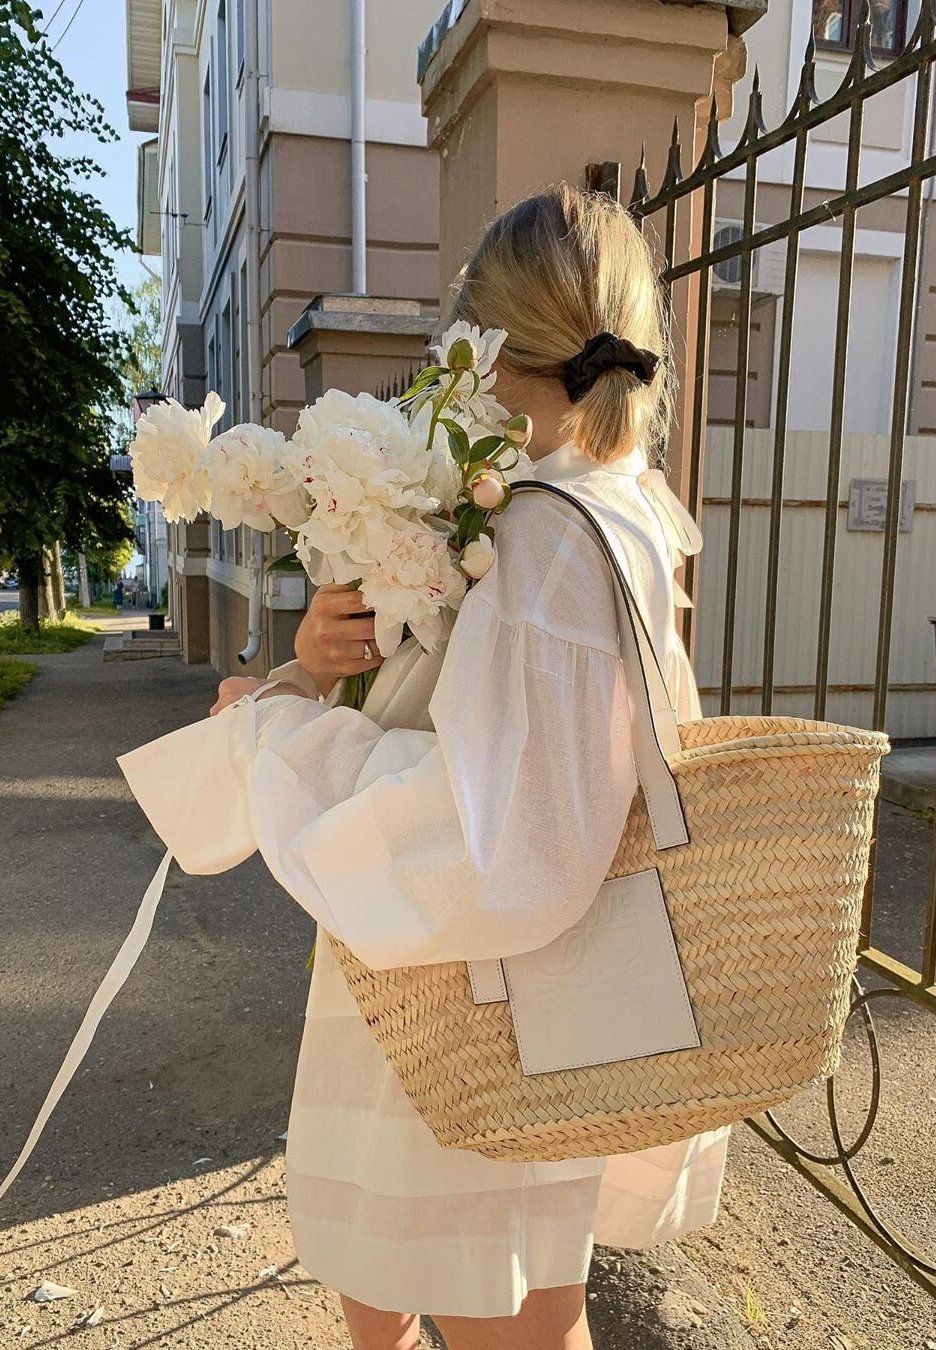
[
  {"x": 608, "y": 989},
  {"x": 487, "y": 981}
]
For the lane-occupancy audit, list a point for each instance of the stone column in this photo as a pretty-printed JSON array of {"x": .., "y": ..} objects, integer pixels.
[
  {"x": 359, "y": 342},
  {"x": 521, "y": 93},
  {"x": 190, "y": 564}
]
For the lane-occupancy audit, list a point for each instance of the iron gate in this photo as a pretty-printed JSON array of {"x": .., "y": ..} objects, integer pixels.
[{"x": 831, "y": 1171}]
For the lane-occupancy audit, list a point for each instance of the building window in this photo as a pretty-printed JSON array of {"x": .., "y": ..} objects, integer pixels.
[
  {"x": 227, "y": 376},
  {"x": 241, "y": 20},
  {"x": 221, "y": 82},
  {"x": 207, "y": 140},
  {"x": 835, "y": 21},
  {"x": 244, "y": 373}
]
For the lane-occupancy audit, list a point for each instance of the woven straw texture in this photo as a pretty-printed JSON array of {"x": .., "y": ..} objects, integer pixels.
[{"x": 764, "y": 902}]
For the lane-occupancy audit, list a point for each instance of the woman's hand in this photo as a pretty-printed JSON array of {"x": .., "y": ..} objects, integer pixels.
[
  {"x": 236, "y": 686},
  {"x": 336, "y": 637}
]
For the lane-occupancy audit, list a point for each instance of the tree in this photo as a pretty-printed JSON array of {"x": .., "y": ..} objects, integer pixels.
[
  {"x": 60, "y": 355},
  {"x": 106, "y": 562},
  {"x": 141, "y": 368}
]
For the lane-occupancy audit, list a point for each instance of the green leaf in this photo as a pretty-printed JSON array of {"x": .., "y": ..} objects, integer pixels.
[
  {"x": 458, "y": 441},
  {"x": 427, "y": 376},
  {"x": 486, "y": 447},
  {"x": 288, "y": 563},
  {"x": 470, "y": 525}
]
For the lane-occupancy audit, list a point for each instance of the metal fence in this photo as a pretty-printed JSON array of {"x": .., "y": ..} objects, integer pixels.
[{"x": 834, "y": 1171}]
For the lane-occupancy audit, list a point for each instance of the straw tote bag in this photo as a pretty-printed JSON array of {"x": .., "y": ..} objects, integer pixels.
[{"x": 726, "y": 934}]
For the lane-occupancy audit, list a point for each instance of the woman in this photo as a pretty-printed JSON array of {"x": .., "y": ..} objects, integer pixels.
[{"x": 483, "y": 826}]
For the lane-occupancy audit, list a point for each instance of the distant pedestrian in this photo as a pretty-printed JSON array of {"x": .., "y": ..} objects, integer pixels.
[{"x": 119, "y": 594}]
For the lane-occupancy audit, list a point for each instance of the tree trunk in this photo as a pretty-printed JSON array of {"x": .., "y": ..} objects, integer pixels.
[
  {"x": 29, "y": 570},
  {"x": 47, "y": 608},
  {"x": 84, "y": 590},
  {"x": 58, "y": 578}
]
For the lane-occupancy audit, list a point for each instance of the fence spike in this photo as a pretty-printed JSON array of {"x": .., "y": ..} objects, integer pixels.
[
  {"x": 924, "y": 28},
  {"x": 806, "y": 96},
  {"x": 754, "y": 122},
  {"x": 862, "y": 60},
  {"x": 641, "y": 189},
  {"x": 928, "y": 9},
  {"x": 711, "y": 152},
  {"x": 674, "y": 172}
]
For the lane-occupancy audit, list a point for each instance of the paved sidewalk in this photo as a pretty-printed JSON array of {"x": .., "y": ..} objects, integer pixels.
[{"x": 172, "y": 1129}]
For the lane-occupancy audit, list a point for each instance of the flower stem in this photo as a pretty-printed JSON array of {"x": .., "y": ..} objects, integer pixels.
[{"x": 437, "y": 408}]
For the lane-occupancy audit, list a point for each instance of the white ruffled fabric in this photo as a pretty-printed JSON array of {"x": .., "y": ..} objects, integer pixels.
[{"x": 478, "y": 827}]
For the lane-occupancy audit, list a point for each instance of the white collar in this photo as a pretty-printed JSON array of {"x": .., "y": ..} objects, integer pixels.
[{"x": 569, "y": 462}]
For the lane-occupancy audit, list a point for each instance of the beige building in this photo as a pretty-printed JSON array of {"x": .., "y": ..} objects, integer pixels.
[
  {"x": 288, "y": 161},
  {"x": 253, "y": 191}
]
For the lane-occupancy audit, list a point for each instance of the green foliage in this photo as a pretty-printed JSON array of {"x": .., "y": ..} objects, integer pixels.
[
  {"x": 60, "y": 354},
  {"x": 141, "y": 368},
  {"x": 54, "y": 635},
  {"x": 14, "y": 676},
  {"x": 106, "y": 560},
  {"x": 459, "y": 444}
]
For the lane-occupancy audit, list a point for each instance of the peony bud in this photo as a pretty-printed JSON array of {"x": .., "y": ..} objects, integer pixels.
[
  {"x": 477, "y": 557},
  {"x": 487, "y": 491},
  {"x": 519, "y": 431},
  {"x": 462, "y": 355}
]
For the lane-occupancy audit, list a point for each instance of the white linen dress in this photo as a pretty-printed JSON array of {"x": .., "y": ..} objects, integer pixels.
[{"x": 479, "y": 828}]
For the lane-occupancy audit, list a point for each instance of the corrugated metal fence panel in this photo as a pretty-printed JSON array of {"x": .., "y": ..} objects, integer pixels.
[{"x": 856, "y": 595}]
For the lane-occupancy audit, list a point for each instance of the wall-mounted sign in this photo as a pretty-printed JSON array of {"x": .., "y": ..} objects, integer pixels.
[{"x": 867, "y": 504}]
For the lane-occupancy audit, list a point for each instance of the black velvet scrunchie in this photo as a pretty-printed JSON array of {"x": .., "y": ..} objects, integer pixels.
[{"x": 606, "y": 352}]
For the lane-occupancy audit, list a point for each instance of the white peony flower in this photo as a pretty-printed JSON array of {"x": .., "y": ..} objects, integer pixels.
[
  {"x": 413, "y": 584},
  {"x": 443, "y": 477},
  {"x": 252, "y": 472},
  {"x": 477, "y": 558},
  {"x": 485, "y": 345},
  {"x": 484, "y": 407},
  {"x": 365, "y": 470},
  {"x": 166, "y": 456}
]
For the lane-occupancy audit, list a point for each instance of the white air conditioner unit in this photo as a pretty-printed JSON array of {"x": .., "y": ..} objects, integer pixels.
[{"x": 769, "y": 263}]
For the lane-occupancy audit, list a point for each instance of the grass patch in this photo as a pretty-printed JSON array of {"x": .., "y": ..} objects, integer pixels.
[
  {"x": 61, "y": 635},
  {"x": 14, "y": 676},
  {"x": 753, "y": 1310},
  {"x": 96, "y": 607}
]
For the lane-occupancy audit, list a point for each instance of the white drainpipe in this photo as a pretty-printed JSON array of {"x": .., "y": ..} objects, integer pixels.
[
  {"x": 358, "y": 148},
  {"x": 252, "y": 225}
]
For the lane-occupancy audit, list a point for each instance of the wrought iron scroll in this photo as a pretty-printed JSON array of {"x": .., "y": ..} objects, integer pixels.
[{"x": 861, "y": 80}]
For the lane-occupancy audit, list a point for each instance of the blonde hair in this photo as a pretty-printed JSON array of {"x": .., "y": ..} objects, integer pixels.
[{"x": 555, "y": 270}]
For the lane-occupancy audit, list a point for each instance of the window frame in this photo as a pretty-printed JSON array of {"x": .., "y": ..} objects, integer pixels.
[
  {"x": 221, "y": 109},
  {"x": 208, "y": 142},
  {"x": 240, "y": 19},
  {"x": 846, "y": 44}
]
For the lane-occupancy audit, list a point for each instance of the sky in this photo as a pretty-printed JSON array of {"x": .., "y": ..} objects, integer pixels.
[{"x": 94, "y": 54}]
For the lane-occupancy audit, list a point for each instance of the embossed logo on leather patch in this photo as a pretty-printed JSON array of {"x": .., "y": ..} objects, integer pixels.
[{"x": 610, "y": 988}]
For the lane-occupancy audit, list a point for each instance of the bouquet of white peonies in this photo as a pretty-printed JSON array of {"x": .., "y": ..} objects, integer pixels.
[{"x": 394, "y": 496}]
